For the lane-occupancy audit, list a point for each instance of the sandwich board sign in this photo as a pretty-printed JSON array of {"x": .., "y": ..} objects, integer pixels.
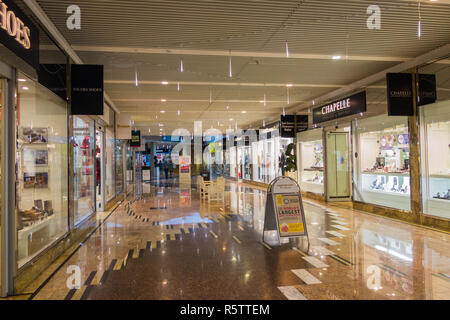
[{"x": 284, "y": 209}]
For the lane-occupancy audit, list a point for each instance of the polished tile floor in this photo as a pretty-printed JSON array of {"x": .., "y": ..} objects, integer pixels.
[{"x": 164, "y": 243}]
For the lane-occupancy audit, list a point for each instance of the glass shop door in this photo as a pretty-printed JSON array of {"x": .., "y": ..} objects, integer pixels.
[
  {"x": 99, "y": 168},
  {"x": 338, "y": 167}
]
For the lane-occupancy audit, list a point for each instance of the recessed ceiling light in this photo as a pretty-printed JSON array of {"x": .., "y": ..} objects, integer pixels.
[
  {"x": 164, "y": 83},
  {"x": 25, "y": 88},
  {"x": 336, "y": 57}
]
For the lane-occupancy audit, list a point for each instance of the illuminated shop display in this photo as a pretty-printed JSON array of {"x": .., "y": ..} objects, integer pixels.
[
  {"x": 310, "y": 161},
  {"x": 382, "y": 161},
  {"x": 42, "y": 186}
]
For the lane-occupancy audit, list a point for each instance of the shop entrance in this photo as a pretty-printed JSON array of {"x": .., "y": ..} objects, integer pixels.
[
  {"x": 99, "y": 168},
  {"x": 337, "y": 168}
]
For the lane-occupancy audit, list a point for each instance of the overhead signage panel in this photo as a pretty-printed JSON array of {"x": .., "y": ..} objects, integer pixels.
[
  {"x": 400, "y": 94},
  {"x": 18, "y": 33},
  {"x": 135, "y": 138},
  {"x": 87, "y": 89},
  {"x": 341, "y": 108},
  {"x": 427, "y": 89}
]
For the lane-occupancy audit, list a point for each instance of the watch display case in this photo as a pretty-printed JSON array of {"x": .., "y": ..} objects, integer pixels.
[
  {"x": 435, "y": 154},
  {"x": 382, "y": 162},
  {"x": 310, "y": 161}
]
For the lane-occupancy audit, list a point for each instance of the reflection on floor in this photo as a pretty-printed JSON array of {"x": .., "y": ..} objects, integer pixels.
[{"x": 164, "y": 243}]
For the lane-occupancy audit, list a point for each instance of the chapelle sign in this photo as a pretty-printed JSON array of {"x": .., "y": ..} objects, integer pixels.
[{"x": 345, "y": 107}]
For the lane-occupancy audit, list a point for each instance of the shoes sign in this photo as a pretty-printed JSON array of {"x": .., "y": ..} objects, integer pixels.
[
  {"x": 18, "y": 33},
  {"x": 87, "y": 89}
]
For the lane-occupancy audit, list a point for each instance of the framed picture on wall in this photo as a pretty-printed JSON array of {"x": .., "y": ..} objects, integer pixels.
[
  {"x": 34, "y": 135},
  {"x": 41, "y": 180},
  {"x": 41, "y": 157},
  {"x": 29, "y": 180}
]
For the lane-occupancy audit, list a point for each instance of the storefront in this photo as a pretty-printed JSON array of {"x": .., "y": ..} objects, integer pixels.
[
  {"x": 359, "y": 153},
  {"x": 48, "y": 159}
]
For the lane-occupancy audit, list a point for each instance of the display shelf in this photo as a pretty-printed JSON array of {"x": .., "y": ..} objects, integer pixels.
[
  {"x": 440, "y": 176},
  {"x": 394, "y": 174},
  {"x": 314, "y": 169},
  {"x": 392, "y": 193}
]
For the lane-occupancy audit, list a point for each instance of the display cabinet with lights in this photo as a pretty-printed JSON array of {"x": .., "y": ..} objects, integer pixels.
[
  {"x": 310, "y": 165},
  {"x": 381, "y": 162}
]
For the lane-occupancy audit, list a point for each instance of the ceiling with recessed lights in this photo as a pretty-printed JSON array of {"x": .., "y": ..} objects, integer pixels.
[{"x": 168, "y": 62}]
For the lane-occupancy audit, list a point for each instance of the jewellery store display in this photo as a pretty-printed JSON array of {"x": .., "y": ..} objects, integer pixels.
[
  {"x": 390, "y": 170},
  {"x": 313, "y": 165}
]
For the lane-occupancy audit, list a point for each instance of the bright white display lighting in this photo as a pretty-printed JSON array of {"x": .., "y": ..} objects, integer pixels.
[
  {"x": 289, "y": 85},
  {"x": 164, "y": 83},
  {"x": 337, "y": 57},
  {"x": 136, "y": 79},
  {"x": 162, "y": 111},
  {"x": 25, "y": 88},
  {"x": 22, "y": 80},
  {"x": 179, "y": 112},
  {"x": 244, "y": 111},
  {"x": 163, "y": 100},
  {"x": 181, "y": 65},
  {"x": 287, "y": 49}
]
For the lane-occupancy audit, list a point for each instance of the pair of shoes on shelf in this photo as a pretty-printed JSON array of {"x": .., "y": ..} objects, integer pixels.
[{"x": 39, "y": 211}]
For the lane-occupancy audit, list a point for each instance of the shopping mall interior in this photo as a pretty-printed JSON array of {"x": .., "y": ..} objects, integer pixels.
[{"x": 225, "y": 150}]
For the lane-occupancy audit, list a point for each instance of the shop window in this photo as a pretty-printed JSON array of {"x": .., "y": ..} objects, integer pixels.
[
  {"x": 42, "y": 179},
  {"x": 310, "y": 161},
  {"x": 130, "y": 166},
  {"x": 110, "y": 175},
  {"x": 119, "y": 166},
  {"x": 84, "y": 168},
  {"x": 435, "y": 149},
  {"x": 382, "y": 162}
]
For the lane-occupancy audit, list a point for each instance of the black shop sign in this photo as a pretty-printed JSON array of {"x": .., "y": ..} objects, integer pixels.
[
  {"x": 292, "y": 124},
  {"x": 341, "y": 108},
  {"x": 427, "y": 89},
  {"x": 87, "y": 89},
  {"x": 400, "y": 94},
  {"x": 135, "y": 138},
  {"x": 18, "y": 33}
]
